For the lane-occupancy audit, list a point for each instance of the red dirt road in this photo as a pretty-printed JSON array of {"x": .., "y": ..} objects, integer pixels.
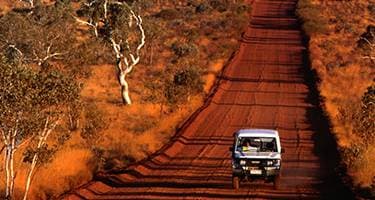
[{"x": 266, "y": 85}]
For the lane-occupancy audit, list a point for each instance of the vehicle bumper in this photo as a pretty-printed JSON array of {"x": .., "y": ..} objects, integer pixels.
[{"x": 263, "y": 171}]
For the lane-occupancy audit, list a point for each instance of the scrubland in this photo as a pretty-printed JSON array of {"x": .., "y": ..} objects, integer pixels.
[
  {"x": 187, "y": 44},
  {"x": 341, "y": 49}
]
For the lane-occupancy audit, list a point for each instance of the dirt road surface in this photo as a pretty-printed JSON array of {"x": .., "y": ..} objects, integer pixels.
[{"x": 267, "y": 84}]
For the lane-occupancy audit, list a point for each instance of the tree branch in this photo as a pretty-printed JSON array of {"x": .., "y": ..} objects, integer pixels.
[
  {"x": 91, "y": 24},
  {"x": 30, "y": 2},
  {"x": 48, "y": 56}
]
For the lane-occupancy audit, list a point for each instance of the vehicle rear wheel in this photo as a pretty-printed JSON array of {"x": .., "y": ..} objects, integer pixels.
[
  {"x": 276, "y": 182},
  {"x": 235, "y": 182}
]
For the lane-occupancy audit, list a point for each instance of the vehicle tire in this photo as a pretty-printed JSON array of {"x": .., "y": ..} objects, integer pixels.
[
  {"x": 276, "y": 182},
  {"x": 235, "y": 182}
]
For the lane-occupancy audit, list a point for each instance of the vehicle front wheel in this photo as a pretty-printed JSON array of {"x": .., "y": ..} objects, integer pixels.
[{"x": 235, "y": 182}]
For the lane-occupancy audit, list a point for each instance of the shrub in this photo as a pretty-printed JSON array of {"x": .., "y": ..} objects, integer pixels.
[
  {"x": 314, "y": 23},
  {"x": 168, "y": 14},
  {"x": 201, "y": 8},
  {"x": 351, "y": 154},
  {"x": 184, "y": 83},
  {"x": 191, "y": 34},
  {"x": 240, "y": 9},
  {"x": 94, "y": 123},
  {"x": 193, "y": 3},
  {"x": 140, "y": 123},
  {"x": 219, "y": 5},
  {"x": 366, "y": 124},
  {"x": 366, "y": 192},
  {"x": 361, "y": 116},
  {"x": 182, "y": 50},
  {"x": 367, "y": 37}
]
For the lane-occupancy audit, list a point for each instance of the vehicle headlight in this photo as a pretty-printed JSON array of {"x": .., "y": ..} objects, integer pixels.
[
  {"x": 276, "y": 162},
  {"x": 270, "y": 162},
  {"x": 242, "y": 162},
  {"x": 235, "y": 163}
]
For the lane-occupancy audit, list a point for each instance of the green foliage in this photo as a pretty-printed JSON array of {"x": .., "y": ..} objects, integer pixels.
[
  {"x": 58, "y": 13},
  {"x": 28, "y": 98},
  {"x": 185, "y": 83},
  {"x": 89, "y": 52},
  {"x": 219, "y": 5},
  {"x": 116, "y": 23},
  {"x": 242, "y": 8},
  {"x": 45, "y": 28},
  {"x": 73, "y": 118},
  {"x": 181, "y": 50},
  {"x": 153, "y": 29},
  {"x": 45, "y": 154},
  {"x": 201, "y": 8}
]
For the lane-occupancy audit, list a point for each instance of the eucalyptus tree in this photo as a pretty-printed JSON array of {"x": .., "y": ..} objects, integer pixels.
[
  {"x": 120, "y": 26},
  {"x": 32, "y": 104},
  {"x": 40, "y": 37},
  {"x": 34, "y": 97}
]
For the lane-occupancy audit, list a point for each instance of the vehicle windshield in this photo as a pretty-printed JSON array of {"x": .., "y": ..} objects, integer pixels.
[{"x": 257, "y": 144}]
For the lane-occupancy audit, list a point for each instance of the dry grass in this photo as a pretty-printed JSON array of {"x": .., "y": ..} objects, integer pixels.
[
  {"x": 344, "y": 74},
  {"x": 133, "y": 132}
]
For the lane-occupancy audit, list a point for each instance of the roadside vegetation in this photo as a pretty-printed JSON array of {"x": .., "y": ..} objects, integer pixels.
[
  {"x": 341, "y": 48},
  {"x": 64, "y": 117}
]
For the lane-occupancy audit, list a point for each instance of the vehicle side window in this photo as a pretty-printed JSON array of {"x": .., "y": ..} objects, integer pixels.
[{"x": 239, "y": 144}]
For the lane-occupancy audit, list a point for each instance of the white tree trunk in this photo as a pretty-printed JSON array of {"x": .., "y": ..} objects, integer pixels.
[
  {"x": 7, "y": 172},
  {"x": 42, "y": 140},
  {"x": 9, "y": 168},
  {"x": 9, "y": 140},
  {"x": 124, "y": 89},
  {"x": 124, "y": 63},
  {"x": 29, "y": 175},
  {"x": 11, "y": 159}
]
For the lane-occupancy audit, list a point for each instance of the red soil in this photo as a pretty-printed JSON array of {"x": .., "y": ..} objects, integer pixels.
[{"x": 266, "y": 85}]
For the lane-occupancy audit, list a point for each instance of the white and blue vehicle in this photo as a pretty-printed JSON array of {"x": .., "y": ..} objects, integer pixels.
[{"x": 256, "y": 153}]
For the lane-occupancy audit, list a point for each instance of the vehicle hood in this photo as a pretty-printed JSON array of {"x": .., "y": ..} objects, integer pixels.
[{"x": 257, "y": 155}]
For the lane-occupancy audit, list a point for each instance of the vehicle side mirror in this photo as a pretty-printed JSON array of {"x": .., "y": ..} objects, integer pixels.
[
  {"x": 282, "y": 150},
  {"x": 230, "y": 148}
]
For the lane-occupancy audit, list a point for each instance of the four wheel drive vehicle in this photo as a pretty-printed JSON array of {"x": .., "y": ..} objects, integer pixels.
[{"x": 256, "y": 153}]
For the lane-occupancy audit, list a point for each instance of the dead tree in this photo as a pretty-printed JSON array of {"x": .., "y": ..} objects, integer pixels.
[{"x": 120, "y": 26}]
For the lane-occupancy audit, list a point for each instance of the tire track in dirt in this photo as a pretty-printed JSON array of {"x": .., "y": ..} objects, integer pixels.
[{"x": 266, "y": 85}]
